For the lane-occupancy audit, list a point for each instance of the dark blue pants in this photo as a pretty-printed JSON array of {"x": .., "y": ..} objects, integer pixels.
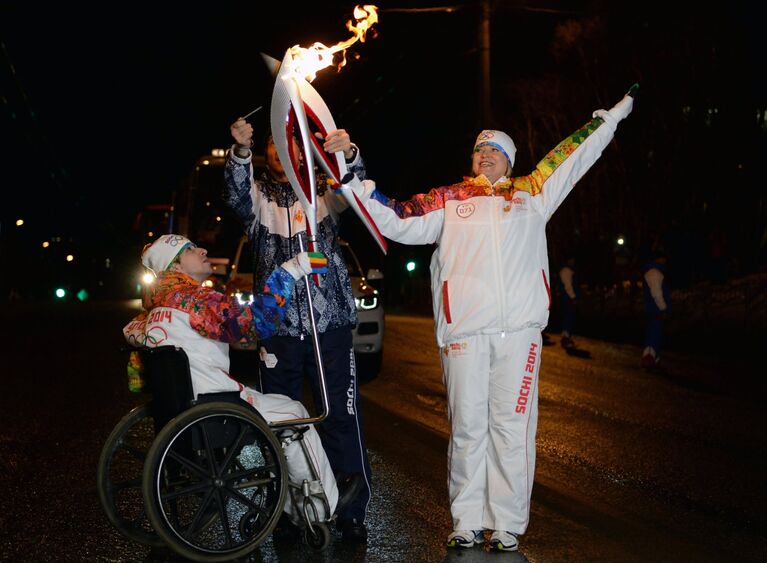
[
  {"x": 341, "y": 432},
  {"x": 654, "y": 331},
  {"x": 568, "y": 315}
]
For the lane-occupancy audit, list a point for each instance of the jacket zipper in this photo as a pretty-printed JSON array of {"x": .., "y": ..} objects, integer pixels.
[
  {"x": 500, "y": 295},
  {"x": 290, "y": 251}
]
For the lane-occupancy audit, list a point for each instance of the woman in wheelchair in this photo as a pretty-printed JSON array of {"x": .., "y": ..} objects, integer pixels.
[{"x": 180, "y": 311}]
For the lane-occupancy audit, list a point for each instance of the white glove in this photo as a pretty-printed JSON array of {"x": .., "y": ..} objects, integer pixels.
[
  {"x": 363, "y": 189},
  {"x": 622, "y": 108}
]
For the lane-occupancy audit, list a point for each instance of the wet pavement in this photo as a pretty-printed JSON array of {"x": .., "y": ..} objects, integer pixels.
[
  {"x": 632, "y": 467},
  {"x": 64, "y": 391}
]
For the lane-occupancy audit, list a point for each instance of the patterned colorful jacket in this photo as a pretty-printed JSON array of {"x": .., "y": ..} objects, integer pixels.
[
  {"x": 274, "y": 220},
  {"x": 202, "y": 321},
  {"x": 490, "y": 271}
]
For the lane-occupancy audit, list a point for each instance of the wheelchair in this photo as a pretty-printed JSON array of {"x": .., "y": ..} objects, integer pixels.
[{"x": 206, "y": 477}]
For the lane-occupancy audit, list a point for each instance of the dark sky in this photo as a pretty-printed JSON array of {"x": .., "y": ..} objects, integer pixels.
[{"x": 107, "y": 108}]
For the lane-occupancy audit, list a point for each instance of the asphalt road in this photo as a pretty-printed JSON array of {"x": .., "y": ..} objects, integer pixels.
[
  {"x": 64, "y": 388},
  {"x": 631, "y": 467}
]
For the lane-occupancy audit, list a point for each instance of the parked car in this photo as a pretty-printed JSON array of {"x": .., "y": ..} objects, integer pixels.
[{"x": 369, "y": 332}]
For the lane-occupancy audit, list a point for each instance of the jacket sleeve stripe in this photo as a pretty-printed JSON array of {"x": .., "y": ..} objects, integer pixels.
[{"x": 533, "y": 183}]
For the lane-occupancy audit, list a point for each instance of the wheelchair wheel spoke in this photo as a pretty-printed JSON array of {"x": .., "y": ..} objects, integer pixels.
[
  {"x": 242, "y": 499},
  {"x": 234, "y": 450},
  {"x": 186, "y": 491},
  {"x": 209, "y": 448},
  {"x": 264, "y": 481},
  {"x": 189, "y": 464},
  {"x": 249, "y": 479},
  {"x": 264, "y": 472},
  {"x": 198, "y": 521},
  {"x": 224, "y": 517}
]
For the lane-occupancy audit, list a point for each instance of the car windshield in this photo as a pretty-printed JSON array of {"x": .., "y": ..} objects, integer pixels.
[{"x": 352, "y": 264}]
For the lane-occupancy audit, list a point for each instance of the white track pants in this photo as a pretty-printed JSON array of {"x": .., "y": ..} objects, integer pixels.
[
  {"x": 275, "y": 407},
  {"x": 492, "y": 393}
]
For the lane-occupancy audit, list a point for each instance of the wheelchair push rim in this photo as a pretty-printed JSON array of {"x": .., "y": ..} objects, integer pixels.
[{"x": 215, "y": 482}]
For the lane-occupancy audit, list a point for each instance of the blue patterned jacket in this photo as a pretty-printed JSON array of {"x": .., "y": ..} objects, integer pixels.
[{"x": 274, "y": 219}]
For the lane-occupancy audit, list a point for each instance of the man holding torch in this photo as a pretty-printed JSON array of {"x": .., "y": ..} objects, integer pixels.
[{"x": 276, "y": 225}]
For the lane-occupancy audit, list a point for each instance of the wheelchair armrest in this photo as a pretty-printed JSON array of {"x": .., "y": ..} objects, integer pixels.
[{"x": 227, "y": 397}]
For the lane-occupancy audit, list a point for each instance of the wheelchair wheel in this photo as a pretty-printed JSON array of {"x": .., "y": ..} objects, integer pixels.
[
  {"x": 318, "y": 536},
  {"x": 118, "y": 480},
  {"x": 215, "y": 482}
]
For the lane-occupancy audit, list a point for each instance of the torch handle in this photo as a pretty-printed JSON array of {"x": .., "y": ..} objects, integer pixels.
[
  {"x": 317, "y": 358},
  {"x": 312, "y": 247}
]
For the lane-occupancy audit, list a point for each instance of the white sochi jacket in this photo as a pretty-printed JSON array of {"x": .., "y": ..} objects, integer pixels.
[{"x": 490, "y": 272}]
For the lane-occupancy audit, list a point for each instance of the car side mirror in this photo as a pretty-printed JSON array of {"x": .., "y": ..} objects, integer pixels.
[{"x": 375, "y": 274}]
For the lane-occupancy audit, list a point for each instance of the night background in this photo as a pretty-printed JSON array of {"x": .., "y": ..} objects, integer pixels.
[
  {"x": 108, "y": 110},
  {"x": 105, "y": 112}
]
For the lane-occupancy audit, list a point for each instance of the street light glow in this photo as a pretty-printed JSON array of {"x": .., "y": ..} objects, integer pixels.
[
  {"x": 19, "y": 222},
  {"x": 70, "y": 257},
  {"x": 620, "y": 241},
  {"x": 46, "y": 244}
]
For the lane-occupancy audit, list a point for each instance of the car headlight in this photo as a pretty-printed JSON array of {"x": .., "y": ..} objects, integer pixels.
[{"x": 366, "y": 303}]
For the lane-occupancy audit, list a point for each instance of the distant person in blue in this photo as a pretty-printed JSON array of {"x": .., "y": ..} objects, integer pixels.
[
  {"x": 567, "y": 299},
  {"x": 657, "y": 302}
]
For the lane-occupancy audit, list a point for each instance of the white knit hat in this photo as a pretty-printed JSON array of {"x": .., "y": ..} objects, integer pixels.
[
  {"x": 161, "y": 253},
  {"x": 499, "y": 140}
]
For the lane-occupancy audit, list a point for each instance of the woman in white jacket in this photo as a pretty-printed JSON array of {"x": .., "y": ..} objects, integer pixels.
[{"x": 491, "y": 297}]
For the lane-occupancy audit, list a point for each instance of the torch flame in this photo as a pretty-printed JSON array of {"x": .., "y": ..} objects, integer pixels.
[{"x": 308, "y": 62}]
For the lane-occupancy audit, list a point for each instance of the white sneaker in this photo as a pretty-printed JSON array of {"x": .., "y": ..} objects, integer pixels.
[
  {"x": 504, "y": 541},
  {"x": 465, "y": 538}
]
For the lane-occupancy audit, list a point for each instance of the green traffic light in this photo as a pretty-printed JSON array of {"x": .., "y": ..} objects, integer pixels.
[
  {"x": 60, "y": 292},
  {"x": 410, "y": 266}
]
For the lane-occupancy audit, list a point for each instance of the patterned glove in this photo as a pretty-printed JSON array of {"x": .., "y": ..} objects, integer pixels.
[{"x": 306, "y": 263}]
